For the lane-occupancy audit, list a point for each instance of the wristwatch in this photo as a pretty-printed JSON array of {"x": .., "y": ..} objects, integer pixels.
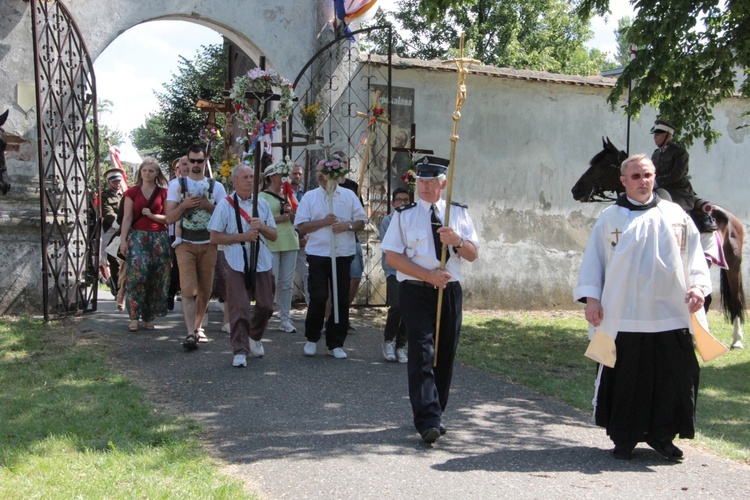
[
  {"x": 351, "y": 228},
  {"x": 460, "y": 244}
]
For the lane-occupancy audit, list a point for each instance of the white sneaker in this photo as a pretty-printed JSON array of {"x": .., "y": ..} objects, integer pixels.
[
  {"x": 225, "y": 328},
  {"x": 310, "y": 348},
  {"x": 337, "y": 353},
  {"x": 240, "y": 360},
  {"x": 388, "y": 351},
  {"x": 401, "y": 355},
  {"x": 287, "y": 326},
  {"x": 256, "y": 347}
]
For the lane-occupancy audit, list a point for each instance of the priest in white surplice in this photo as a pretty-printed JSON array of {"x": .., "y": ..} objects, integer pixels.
[{"x": 643, "y": 274}]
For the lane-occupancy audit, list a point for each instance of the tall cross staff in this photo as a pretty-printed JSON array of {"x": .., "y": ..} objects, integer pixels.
[
  {"x": 461, "y": 65},
  {"x": 372, "y": 122}
]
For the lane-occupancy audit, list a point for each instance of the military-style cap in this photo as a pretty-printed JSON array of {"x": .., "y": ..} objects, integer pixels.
[
  {"x": 662, "y": 126},
  {"x": 429, "y": 167},
  {"x": 113, "y": 174}
]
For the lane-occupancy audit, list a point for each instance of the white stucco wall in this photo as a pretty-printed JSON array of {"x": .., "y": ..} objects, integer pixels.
[{"x": 523, "y": 145}]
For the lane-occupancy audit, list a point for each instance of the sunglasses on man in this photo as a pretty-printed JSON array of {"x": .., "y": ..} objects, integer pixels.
[{"x": 196, "y": 160}]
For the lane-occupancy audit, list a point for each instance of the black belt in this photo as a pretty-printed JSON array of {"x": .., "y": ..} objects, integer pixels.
[{"x": 428, "y": 285}]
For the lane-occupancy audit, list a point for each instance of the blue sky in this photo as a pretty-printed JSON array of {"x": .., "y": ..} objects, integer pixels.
[{"x": 143, "y": 58}]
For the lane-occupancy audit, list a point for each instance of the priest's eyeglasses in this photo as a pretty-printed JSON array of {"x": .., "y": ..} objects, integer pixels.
[{"x": 637, "y": 177}]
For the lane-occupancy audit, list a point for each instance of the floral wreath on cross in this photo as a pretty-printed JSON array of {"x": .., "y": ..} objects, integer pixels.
[
  {"x": 334, "y": 167},
  {"x": 259, "y": 81}
]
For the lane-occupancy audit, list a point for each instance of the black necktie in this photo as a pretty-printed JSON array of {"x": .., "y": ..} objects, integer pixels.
[{"x": 436, "y": 224}]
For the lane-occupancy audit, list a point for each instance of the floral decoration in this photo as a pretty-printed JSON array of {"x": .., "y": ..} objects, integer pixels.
[
  {"x": 410, "y": 179},
  {"x": 260, "y": 82},
  {"x": 310, "y": 115},
  {"x": 210, "y": 134},
  {"x": 223, "y": 174},
  {"x": 334, "y": 167}
]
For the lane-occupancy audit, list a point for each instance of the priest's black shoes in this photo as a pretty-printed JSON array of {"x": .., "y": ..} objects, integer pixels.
[
  {"x": 666, "y": 448},
  {"x": 623, "y": 451},
  {"x": 430, "y": 435}
]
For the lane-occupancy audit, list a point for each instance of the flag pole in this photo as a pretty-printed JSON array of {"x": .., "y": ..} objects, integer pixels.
[{"x": 461, "y": 65}]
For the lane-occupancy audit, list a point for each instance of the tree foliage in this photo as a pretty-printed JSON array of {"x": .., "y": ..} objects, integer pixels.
[
  {"x": 200, "y": 78},
  {"x": 688, "y": 55},
  {"x": 533, "y": 34},
  {"x": 150, "y": 136},
  {"x": 623, "y": 42}
]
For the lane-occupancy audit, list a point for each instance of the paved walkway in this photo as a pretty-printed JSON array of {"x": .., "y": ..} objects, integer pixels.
[{"x": 297, "y": 427}]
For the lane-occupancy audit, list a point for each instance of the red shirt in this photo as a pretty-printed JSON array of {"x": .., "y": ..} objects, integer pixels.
[{"x": 140, "y": 202}]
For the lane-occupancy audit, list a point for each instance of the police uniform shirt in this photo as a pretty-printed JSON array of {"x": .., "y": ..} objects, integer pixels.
[{"x": 410, "y": 233}]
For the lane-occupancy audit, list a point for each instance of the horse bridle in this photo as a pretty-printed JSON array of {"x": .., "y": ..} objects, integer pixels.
[{"x": 597, "y": 191}]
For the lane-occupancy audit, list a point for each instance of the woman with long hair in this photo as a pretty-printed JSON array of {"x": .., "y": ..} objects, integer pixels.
[
  {"x": 145, "y": 243},
  {"x": 284, "y": 249}
]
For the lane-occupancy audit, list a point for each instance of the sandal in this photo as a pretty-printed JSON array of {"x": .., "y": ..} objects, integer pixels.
[
  {"x": 190, "y": 343},
  {"x": 147, "y": 325},
  {"x": 133, "y": 326},
  {"x": 201, "y": 336}
]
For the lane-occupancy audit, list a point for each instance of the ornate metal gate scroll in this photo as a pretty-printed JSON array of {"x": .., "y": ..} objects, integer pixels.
[
  {"x": 339, "y": 79},
  {"x": 66, "y": 101}
]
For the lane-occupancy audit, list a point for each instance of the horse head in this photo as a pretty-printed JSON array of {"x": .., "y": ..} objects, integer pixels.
[
  {"x": 4, "y": 184},
  {"x": 602, "y": 176}
]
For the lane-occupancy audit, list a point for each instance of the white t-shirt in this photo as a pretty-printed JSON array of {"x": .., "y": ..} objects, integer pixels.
[{"x": 174, "y": 194}]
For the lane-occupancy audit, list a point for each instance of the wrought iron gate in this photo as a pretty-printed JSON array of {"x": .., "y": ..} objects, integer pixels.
[
  {"x": 67, "y": 130},
  {"x": 341, "y": 81}
]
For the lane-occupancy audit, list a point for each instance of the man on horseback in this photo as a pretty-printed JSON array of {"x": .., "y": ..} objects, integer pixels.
[{"x": 672, "y": 165}]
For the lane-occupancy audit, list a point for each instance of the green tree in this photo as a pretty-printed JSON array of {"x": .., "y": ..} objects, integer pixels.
[
  {"x": 534, "y": 34},
  {"x": 623, "y": 42},
  {"x": 200, "y": 78},
  {"x": 150, "y": 136},
  {"x": 689, "y": 54}
]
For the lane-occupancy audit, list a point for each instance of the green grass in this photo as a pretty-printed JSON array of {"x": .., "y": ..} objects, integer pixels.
[
  {"x": 544, "y": 351},
  {"x": 73, "y": 429}
]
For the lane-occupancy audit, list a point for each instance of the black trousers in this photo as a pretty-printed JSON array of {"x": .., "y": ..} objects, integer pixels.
[
  {"x": 429, "y": 387},
  {"x": 394, "y": 326},
  {"x": 319, "y": 280},
  {"x": 174, "y": 274}
]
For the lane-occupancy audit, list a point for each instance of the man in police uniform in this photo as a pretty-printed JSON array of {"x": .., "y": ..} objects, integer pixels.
[
  {"x": 412, "y": 244},
  {"x": 672, "y": 163}
]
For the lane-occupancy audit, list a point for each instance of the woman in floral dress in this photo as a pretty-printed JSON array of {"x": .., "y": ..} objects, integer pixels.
[{"x": 145, "y": 243}]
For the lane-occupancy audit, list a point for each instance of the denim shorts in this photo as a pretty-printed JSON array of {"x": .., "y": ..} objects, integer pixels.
[{"x": 357, "y": 267}]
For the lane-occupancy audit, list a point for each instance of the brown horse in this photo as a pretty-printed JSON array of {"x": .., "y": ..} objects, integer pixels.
[
  {"x": 601, "y": 182},
  {"x": 4, "y": 182}
]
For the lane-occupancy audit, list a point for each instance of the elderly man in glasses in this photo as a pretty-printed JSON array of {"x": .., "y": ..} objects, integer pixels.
[{"x": 191, "y": 201}]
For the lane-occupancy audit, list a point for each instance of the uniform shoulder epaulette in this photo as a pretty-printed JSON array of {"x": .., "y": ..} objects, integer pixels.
[
  {"x": 406, "y": 207},
  {"x": 459, "y": 204}
]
